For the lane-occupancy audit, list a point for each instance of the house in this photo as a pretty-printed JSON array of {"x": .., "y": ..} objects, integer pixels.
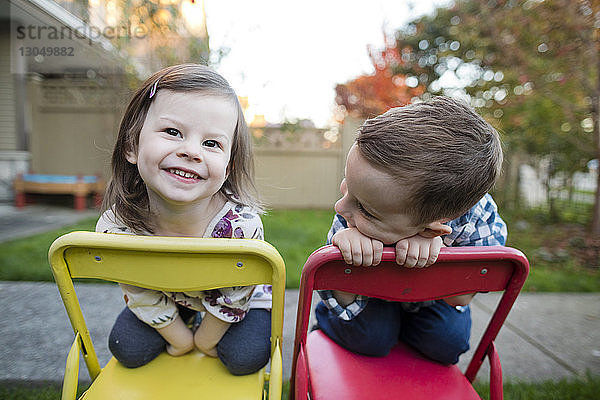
[{"x": 62, "y": 89}]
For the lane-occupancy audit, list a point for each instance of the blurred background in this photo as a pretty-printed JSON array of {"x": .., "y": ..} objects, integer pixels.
[{"x": 307, "y": 75}]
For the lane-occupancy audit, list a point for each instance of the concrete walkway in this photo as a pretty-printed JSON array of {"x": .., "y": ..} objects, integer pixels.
[{"x": 547, "y": 336}]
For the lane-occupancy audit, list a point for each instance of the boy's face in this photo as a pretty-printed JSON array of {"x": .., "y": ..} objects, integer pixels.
[{"x": 373, "y": 202}]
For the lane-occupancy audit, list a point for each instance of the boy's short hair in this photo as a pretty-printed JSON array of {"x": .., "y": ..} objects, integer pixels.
[{"x": 445, "y": 154}]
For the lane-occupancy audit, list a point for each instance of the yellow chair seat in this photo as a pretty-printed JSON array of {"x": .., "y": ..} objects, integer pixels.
[
  {"x": 169, "y": 377},
  {"x": 174, "y": 265}
]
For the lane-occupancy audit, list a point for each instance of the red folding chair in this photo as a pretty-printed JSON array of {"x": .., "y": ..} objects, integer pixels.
[{"x": 323, "y": 370}]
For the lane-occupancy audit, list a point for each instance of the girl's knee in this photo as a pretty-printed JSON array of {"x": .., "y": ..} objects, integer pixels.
[
  {"x": 242, "y": 362},
  {"x": 132, "y": 342},
  {"x": 131, "y": 357},
  {"x": 246, "y": 346}
]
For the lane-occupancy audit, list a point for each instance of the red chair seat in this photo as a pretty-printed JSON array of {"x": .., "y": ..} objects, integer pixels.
[{"x": 361, "y": 377}]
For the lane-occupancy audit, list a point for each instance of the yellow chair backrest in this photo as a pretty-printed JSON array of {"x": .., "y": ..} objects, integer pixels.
[{"x": 163, "y": 263}]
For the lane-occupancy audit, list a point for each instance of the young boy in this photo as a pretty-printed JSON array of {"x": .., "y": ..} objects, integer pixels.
[{"x": 417, "y": 178}]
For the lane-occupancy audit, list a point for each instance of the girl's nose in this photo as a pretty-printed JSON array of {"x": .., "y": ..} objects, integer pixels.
[{"x": 190, "y": 151}]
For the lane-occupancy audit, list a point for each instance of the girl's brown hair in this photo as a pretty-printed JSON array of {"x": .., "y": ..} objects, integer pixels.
[{"x": 126, "y": 194}]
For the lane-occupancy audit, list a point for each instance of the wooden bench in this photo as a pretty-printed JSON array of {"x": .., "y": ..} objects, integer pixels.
[{"x": 79, "y": 186}]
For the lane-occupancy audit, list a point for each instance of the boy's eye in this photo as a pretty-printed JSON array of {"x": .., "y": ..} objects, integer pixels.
[
  {"x": 173, "y": 132},
  {"x": 363, "y": 211},
  {"x": 212, "y": 143}
]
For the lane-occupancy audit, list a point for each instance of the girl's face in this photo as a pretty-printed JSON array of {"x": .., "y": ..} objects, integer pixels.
[{"x": 184, "y": 147}]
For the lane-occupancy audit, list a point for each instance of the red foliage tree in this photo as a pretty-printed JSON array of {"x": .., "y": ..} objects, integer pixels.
[{"x": 370, "y": 95}]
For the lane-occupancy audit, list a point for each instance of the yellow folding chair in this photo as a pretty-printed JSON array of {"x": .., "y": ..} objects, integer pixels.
[{"x": 170, "y": 264}]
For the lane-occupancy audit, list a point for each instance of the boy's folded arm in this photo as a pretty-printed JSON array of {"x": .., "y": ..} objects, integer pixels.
[
  {"x": 348, "y": 312},
  {"x": 356, "y": 248},
  {"x": 418, "y": 251}
]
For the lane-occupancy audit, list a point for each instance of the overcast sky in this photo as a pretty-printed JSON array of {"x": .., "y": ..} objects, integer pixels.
[{"x": 286, "y": 57}]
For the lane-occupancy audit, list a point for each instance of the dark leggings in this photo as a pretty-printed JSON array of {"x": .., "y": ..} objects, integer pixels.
[
  {"x": 440, "y": 332},
  {"x": 244, "y": 349}
]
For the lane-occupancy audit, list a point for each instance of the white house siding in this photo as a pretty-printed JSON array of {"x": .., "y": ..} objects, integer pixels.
[{"x": 8, "y": 123}]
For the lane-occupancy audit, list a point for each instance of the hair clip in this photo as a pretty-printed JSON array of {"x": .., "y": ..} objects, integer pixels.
[{"x": 153, "y": 90}]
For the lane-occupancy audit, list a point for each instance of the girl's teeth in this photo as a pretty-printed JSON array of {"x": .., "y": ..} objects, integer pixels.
[{"x": 183, "y": 173}]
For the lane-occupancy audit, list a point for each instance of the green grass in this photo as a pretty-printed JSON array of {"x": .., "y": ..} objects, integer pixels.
[
  {"x": 34, "y": 390},
  {"x": 27, "y": 259},
  {"x": 558, "y": 252},
  {"x": 561, "y": 255},
  {"x": 567, "y": 389},
  {"x": 295, "y": 233}
]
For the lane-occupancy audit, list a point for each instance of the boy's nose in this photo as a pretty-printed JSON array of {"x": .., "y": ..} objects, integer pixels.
[
  {"x": 340, "y": 205},
  {"x": 341, "y": 209}
]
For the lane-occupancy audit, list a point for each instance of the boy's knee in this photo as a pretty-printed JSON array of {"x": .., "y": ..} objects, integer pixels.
[
  {"x": 372, "y": 332},
  {"x": 379, "y": 346},
  {"x": 442, "y": 335},
  {"x": 446, "y": 352}
]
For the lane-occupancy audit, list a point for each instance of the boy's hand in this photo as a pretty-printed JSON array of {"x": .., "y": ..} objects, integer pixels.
[
  {"x": 358, "y": 249},
  {"x": 461, "y": 300},
  {"x": 418, "y": 251}
]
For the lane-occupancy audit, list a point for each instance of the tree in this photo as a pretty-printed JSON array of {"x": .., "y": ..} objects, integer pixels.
[
  {"x": 152, "y": 34},
  {"x": 370, "y": 95},
  {"x": 530, "y": 67}
]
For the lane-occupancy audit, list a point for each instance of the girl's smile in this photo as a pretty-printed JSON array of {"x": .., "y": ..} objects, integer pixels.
[
  {"x": 188, "y": 175},
  {"x": 184, "y": 147}
]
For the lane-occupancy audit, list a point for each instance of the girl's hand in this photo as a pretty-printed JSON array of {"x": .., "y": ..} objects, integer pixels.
[
  {"x": 179, "y": 351},
  {"x": 356, "y": 248},
  {"x": 209, "y": 333},
  {"x": 418, "y": 251},
  {"x": 179, "y": 337}
]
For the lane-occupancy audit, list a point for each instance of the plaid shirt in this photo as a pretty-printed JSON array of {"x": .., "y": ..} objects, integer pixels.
[{"x": 480, "y": 226}]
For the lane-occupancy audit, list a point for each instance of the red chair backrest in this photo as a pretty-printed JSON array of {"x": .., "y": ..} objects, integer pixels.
[{"x": 458, "y": 270}]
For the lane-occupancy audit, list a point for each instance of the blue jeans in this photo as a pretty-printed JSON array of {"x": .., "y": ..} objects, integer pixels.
[
  {"x": 244, "y": 349},
  {"x": 440, "y": 332}
]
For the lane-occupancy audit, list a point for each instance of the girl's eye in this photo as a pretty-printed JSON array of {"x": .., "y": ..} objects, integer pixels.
[
  {"x": 173, "y": 132},
  {"x": 363, "y": 211},
  {"x": 212, "y": 143}
]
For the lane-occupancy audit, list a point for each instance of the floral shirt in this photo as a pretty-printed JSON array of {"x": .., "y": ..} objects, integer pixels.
[{"x": 158, "y": 309}]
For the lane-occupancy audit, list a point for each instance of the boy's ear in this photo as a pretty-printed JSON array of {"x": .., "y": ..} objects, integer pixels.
[{"x": 436, "y": 228}]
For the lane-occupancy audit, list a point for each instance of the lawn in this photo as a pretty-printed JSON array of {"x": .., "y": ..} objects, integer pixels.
[
  {"x": 562, "y": 255},
  {"x": 295, "y": 233},
  {"x": 562, "y": 258},
  {"x": 575, "y": 389}
]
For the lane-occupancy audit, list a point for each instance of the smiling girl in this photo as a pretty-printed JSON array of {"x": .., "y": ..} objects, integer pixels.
[{"x": 182, "y": 166}]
